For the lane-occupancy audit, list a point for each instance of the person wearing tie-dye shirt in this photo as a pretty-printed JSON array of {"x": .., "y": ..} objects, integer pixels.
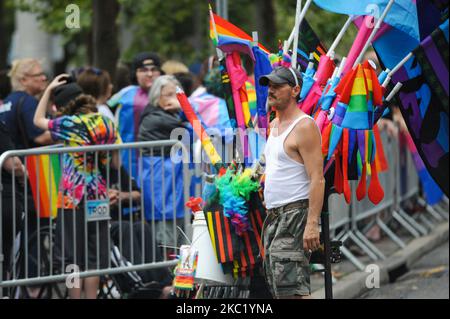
[{"x": 80, "y": 125}]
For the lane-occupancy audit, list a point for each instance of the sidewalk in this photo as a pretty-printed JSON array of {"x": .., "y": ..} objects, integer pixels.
[{"x": 350, "y": 282}]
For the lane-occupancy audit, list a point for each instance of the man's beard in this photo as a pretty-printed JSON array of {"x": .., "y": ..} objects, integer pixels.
[{"x": 278, "y": 105}]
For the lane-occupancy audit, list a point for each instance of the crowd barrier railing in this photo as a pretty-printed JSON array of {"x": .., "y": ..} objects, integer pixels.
[
  {"x": 400, "y": 184},
  {"x": 146, "y": 230},
  {"x": 43, "y": 166}
]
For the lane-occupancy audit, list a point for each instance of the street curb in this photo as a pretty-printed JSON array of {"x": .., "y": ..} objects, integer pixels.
[{"x": 354, "y": 284}]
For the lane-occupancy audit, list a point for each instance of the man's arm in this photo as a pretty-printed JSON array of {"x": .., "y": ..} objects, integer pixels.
[
  {"x": 310, "y": 148},
  {"x": 39, "y": 119},
  {"x": 115, "y": 196},
  {"x": 115, "y": 160},
  {"x": 44, "y": 139}
]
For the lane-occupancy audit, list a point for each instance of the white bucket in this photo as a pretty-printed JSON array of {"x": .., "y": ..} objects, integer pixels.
[{"x": 208, "y": 268}]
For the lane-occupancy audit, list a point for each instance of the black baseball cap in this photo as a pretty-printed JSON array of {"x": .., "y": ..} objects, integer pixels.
[
  {"x": 282, "y": 75},
  {"x": 65, "y": 93},
  {"x": 144, "y": 59}
]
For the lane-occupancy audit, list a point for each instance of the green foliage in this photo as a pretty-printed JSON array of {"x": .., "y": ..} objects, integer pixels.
[
  {"x": 52, "y": 15},
  {"x": 167, "y": 27},
  {"x": 179, "y": 29}
]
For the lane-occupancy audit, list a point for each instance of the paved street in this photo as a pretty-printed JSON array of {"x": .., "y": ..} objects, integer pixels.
[{"x": 428, "y": 279}]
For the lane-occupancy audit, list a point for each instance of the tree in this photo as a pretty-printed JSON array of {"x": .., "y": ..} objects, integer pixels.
[
  {"x": 175, "y": 29},
  {"x": 52, "y": 16},
  {"x": 6, "y": 30},
  {"x": 104, "y": 30},
  {"x": 265, "y": 22}
]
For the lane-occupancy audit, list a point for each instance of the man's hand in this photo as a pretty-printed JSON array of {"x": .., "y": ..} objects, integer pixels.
[
  {"x": 388, "y": 126},
  {"x": 113, "y": 195},
  {"x": 311, "y": 237},
  {"x": 57, "y": 81}
]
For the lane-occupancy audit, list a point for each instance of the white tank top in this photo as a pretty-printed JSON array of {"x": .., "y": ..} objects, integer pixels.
[{"x": 286, "y": 179}]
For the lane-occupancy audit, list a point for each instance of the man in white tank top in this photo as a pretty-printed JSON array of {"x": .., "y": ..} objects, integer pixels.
[{"x": 294, "y": 188}]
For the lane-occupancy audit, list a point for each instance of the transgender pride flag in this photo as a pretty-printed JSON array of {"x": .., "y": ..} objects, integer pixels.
[{"x": 129, "y": 104}]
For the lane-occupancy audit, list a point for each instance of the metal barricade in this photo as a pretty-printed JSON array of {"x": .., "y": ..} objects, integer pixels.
[
  {"x": 365, "y": 210},
  {"x": 339, "y": 212},
  {"x": 407, "y": 186},
  {"x": 134, "y": 245},
  {"x": 399, "y": 183}
]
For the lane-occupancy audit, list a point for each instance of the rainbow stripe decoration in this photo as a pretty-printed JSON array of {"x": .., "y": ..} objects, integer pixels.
[
  {"x": 44, "y": 173},
  {"x": 237, "y": 254},
  {"x": 198, "y": 128},
  {"x": 185, "y": 271},
  {"x": 251, "y": 95}
]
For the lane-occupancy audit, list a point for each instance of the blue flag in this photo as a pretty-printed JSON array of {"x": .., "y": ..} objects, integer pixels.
[
  {"x": 404, "y": 15},
  {"x": 262, "y": 67}
]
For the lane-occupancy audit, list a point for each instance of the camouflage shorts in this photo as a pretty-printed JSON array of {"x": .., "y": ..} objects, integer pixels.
[{"x": 286, "y": 265}]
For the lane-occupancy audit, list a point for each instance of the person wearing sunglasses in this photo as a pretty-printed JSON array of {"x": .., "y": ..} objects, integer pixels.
[{"x": 28, "y": 82}]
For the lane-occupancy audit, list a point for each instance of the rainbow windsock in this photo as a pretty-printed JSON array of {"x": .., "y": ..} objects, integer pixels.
[
  {"x": 44, "y": 173},
  {"x": 350, "y": 136}
]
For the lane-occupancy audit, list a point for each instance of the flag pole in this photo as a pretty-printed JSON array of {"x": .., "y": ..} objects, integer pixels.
[
  {"x": 340, "y": 35},
  {"x": 298, "y": 12},
  {"x": 216, "y": 35},
  {"x": 396, "y": 68},
  {"x": 255, "y": 38},
  {"x": 302, "y": 16},
  {"x": 374, "y": 32},
  {"x": 341, "y": 66},
  {"x": 394, "y": 91},
  {"x": 311, "y": 61}
]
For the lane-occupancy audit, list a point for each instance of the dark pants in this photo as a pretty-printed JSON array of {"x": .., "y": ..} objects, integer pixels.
[
  {"x": 73, "y": 236},
  {"x": 8, "y": 232}
]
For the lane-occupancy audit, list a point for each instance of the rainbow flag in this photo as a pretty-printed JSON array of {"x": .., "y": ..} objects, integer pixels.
[
  {"x": 230, "y": 36},
  {"x": 44, "y": 173},
  {"x": 308, "y": 43}
]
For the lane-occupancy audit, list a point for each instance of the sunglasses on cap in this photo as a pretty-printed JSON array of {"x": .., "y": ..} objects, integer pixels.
[
  {"x": 77, "y": 72},
  {"x": 149, "y": 67}
]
